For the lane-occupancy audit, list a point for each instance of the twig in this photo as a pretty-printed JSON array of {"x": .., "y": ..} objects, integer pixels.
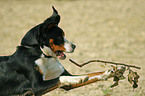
[{"x": 102, "y": 61}]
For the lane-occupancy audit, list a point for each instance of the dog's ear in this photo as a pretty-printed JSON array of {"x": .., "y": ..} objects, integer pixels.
[{"x": 52, "y": 20}]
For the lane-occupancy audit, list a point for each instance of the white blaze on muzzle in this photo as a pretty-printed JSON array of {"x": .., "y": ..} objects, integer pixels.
[{"x": 68, "y": 46}]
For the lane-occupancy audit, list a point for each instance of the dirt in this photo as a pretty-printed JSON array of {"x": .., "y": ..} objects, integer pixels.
[{"x": 112, "y": 30}]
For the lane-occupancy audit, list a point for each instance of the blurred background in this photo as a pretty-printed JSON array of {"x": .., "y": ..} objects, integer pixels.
[{"x": 112, "y": 30}]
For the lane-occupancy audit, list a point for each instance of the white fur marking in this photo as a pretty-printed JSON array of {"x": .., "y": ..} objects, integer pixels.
[
  {"x": 68, "y": 45},
  {"x": 50, "y": 67},
  {"x": 71, "y": 80},
  {"x": 47, "y": 51},
  {"x": 103, "y": 76}
]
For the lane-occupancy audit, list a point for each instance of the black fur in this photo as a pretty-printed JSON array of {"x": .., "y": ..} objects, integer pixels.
[{"x": 18, "y": 74}]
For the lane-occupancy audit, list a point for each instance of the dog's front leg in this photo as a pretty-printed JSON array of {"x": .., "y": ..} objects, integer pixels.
[{"x": 71, "y": 82}]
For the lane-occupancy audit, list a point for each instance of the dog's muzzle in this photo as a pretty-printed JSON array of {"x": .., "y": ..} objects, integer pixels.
[
  {"x": 70, "y": 47},
  {"x": 73, "y": 47}
]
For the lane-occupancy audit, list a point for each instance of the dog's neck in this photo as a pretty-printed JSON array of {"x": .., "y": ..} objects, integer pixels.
[{"x": 46, "y": 51}]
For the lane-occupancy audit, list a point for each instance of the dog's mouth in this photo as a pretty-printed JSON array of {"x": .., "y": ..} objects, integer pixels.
[{"x": 60, "y": 55}]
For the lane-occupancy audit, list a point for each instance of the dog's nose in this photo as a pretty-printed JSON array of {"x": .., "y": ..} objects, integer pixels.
[{"x": 73, "y": 46}]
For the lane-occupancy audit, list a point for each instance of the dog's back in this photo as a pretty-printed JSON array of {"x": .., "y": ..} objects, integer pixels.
[{"x": 4, "y": 59}]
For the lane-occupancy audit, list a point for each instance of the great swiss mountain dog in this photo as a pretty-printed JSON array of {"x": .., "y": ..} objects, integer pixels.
[{"x": 34, "y": 68}]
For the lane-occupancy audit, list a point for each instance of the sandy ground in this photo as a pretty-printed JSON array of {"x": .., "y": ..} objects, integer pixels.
[{"x": 112, "y": 30}]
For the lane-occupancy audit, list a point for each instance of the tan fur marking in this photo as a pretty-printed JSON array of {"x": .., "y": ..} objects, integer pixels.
[
  {"x": 56, "y": 47},
  {"x": 94, "y": 74},
  {"x": 38, "y": 69}
]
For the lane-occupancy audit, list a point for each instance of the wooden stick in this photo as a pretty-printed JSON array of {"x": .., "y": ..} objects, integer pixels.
[{"x": 102, "y": 61}]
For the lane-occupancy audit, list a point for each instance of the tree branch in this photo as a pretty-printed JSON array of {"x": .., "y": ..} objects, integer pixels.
[{"x": 102, "y": 61}]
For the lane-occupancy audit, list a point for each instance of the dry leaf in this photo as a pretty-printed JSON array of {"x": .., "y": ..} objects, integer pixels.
[
  {"x": 115, "y": 84},
  {"x": 133, "y": 78}
]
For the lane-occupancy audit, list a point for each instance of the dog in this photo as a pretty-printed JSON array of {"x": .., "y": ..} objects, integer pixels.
[{"x": 34, "y": 69}]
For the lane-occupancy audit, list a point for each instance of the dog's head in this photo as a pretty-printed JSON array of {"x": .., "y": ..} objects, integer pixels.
[
  {"x": 49, "y": 37},
  {"x": 52, "y": 38}
]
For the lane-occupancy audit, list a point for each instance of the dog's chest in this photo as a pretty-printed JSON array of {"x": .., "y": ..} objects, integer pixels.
[{"x": 50, "y": 67}]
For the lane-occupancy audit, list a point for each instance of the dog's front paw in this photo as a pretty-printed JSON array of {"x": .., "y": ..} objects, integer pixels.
[{"x": 73, "y": 80}]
